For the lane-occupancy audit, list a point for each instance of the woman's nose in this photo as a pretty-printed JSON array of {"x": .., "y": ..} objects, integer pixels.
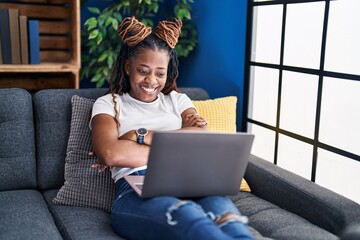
[{"x": 150, "y": 79}]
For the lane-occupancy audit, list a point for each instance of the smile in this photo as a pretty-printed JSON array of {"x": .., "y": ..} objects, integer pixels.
[{"x": 148, "y": 90}]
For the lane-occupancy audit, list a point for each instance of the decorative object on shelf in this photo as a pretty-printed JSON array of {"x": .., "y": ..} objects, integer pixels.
[
  {"x": 24, "y": 43},
  {"x": 14, "y": 36},
  {"x": 5, "y": 36},
  {"x": 34, "y": 41},
  {"x": 102, "y": 43}
]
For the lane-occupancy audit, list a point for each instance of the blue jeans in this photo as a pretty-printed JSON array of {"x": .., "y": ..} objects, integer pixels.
[{"x": 166, "y": 217}]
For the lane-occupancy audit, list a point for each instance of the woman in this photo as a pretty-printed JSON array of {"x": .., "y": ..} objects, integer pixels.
[{"x": 143, "y": 98}]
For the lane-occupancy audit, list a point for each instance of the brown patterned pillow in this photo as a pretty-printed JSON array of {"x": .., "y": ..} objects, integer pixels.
[{"x": 84, "y": 186}]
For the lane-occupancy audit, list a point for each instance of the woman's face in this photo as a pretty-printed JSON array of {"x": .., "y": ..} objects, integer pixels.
[{"x": 147, "y": 72}]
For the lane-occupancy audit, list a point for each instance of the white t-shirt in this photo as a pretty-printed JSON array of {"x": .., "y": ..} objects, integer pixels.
[{"x": 164, "y": 114}]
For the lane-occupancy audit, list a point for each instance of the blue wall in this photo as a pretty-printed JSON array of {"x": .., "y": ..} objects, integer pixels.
[{"x": 217, "y": 63}]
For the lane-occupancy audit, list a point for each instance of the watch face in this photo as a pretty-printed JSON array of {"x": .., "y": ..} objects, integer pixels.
[{"x": 142, "y": 131}]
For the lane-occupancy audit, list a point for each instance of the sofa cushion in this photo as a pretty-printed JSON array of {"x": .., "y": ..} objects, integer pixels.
[
  {"x": 274, "y": 222},
  {"x": 78, "y": 222},
  {"x": 17, "y": 148},
  {"x": 52, "y": 125},
  {"x": 84, "y": 186},
  {"x": 25, "y": 215}
]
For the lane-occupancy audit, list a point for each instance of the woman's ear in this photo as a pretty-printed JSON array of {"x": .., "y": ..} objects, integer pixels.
[{"x": 127, "y": 67}]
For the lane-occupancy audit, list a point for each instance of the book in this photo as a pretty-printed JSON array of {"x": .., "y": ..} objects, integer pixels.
[
  {"x": 5, "y": 36},
  {"x": 24, "y": 45},
  {"x": 34, "y": 41},
  {"x": 14, "y": 36}
]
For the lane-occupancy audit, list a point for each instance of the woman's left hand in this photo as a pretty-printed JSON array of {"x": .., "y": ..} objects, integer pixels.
[
  {"x": 99, "y": 163},
  {"x": 194, "y": 120}
]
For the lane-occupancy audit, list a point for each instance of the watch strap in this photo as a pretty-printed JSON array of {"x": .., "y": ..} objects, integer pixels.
[{"x": 140, "y": 139}]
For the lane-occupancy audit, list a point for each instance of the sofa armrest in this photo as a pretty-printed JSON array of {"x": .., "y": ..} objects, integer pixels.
[{"x": 300, "y": 196}]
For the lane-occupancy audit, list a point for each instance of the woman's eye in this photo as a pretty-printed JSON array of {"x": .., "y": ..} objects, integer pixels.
[
  {"x": 142, "y": 71},
  {"x": 160, "y": 74}
]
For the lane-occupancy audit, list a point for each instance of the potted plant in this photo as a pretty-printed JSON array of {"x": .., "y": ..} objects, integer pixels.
[{"x": 101, "y": 42}]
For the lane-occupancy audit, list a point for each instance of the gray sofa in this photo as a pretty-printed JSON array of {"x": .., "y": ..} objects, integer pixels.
[{"x": 34, "y": 131}]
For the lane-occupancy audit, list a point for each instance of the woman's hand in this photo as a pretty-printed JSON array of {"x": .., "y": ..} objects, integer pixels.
[
  {"x": 99, "y": 163},
  {"x": 194, "y": 120}
]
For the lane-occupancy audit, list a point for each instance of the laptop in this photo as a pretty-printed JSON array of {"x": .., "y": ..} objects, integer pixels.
[{"x": 194, "y": 164}]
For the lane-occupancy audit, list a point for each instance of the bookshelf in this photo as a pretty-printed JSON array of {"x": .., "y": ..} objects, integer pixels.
[{"x": 59, "y": 28}]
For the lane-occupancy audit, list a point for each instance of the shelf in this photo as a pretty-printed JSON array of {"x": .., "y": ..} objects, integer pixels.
[{"x": 38, "y": 68}]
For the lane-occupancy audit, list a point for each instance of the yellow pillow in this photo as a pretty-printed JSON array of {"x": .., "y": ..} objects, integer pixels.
[
  {"x": 220, "y": 114},
  {"x": 244, "y": 186}
]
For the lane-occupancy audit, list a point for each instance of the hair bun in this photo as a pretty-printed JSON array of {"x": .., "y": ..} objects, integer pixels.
[
  {"x": 132, "y": 31},
  {"x": 169, "y": 31}
]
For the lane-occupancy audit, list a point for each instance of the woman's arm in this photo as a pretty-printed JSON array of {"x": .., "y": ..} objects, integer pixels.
[{"x": 114, "y": 151}]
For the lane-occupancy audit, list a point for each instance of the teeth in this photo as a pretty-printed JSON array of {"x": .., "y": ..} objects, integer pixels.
[{"x": 147, "y": 89}]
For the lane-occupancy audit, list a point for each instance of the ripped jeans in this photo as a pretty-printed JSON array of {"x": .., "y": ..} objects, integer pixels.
[{"x": 165, "y": 217}]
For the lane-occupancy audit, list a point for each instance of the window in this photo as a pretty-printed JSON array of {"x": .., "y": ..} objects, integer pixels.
[{"x": 303, "y": 77}]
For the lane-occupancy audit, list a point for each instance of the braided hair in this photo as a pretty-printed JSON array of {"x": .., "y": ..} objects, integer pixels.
[{"x": 138, "y": 37}]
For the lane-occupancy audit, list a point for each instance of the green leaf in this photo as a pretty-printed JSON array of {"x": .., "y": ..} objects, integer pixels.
[
  {"x": 115, "y": 23},
  {"x": 105, "y": 72},
  {"x": 188, "y": 14},
  {"x": 91, "y": 27},
  {"x": 110, "y": 61},
  {"x": 182, "y": 13},
  {"x": 94, "y": 10},
  {"x": 147, "y": 21},
  {"x": 103, "y": 57},
  {"x": 101, "y": 20},
  {"x": 99, "y": 38},
  {"x": 108, "y": 21},
  {"x": 94, "y": 34},
  {"x": 154, "y": 7},
  {"x": 90, "y": 21},
  {"x": 97, "y": 77},
  {"x": 100, "y": 83},
  {"x": 118, "y": 16}
]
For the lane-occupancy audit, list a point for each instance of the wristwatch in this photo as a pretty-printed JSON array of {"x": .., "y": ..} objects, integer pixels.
[{"x": 141, "y": 133}]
